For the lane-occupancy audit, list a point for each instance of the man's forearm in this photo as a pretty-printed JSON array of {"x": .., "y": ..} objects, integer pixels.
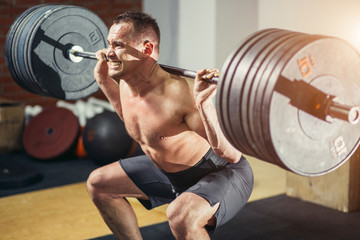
[
  {"x": 108, "y": 85},
  {"x": 110, "y": 88},
  {"x": 216, "y": 137}
]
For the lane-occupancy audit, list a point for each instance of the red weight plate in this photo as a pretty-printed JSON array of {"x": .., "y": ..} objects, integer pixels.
[{"x": 51, "y": 133}]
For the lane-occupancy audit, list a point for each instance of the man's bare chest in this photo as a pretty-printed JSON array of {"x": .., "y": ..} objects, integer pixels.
[{"x": 149, "y": 122}]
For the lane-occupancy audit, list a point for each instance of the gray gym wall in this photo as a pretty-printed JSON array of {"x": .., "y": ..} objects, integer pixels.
[{"x": 201, "y": 33}]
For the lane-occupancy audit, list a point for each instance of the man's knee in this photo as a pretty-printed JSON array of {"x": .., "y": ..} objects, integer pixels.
[
  {"x": 183, "y": 215},
  {"x": 189, "y": 214},
  {"x": 179, "y": 218},
  {"x": 93, "y": 184}
]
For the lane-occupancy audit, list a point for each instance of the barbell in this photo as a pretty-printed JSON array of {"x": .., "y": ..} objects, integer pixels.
[{"x": 288, "y": 98}]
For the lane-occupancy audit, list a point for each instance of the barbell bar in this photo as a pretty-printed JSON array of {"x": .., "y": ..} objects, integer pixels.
[
  {"x": 323, "y": 107},
  {"x": 282, "y": 95},
  {"x": 77, "y": 51}
]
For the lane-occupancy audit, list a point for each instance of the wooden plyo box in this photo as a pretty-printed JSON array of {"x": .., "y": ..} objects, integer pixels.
[
  {"x": 11, "y": 125},
  {"x": 339, "y": 189}
]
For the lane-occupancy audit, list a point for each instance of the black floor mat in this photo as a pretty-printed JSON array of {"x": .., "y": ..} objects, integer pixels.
[
  {"x": 53, "y": 173},
  {"x": 276, "y": 218}
]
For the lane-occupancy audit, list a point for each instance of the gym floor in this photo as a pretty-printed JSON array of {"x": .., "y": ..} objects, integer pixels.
[{"x": 58, "y": 207}]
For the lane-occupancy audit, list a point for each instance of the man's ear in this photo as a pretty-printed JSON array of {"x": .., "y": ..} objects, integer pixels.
[{"x": 148, "y": 48}]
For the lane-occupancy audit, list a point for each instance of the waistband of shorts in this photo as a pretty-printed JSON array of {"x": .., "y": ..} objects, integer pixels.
[
  {"x": 215, "y": 159},
  {"x": 210, "y": 157}
]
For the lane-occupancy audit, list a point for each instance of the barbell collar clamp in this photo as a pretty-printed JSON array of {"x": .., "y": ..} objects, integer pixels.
[
  {"x": 77, "y": 51},
  {"x": 347, "y": 113}
]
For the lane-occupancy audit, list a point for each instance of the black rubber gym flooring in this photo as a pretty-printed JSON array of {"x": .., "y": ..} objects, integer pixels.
[
  {"x": 279, "y": 217},
  {"x": 53, "y": 173}
]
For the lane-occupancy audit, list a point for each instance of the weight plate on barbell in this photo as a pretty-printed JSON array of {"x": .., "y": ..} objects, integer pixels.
[
  {"x": 255, "y": 91},
  {"x": 232, "y": 104},
  {"x": 246, "y": 93},
  {"x": 261, "y": 95},
  {"x": 235, "y": 131},
  {"x": 55, "y": 35},
  {"x": 305, "y": 144},
  {"x": 21, "y": 47},
  {"x": 274, "y": 68},
  {"x": 238, "y": 82},
  {"x": 9, "y": 46},
  {"x": 224, "y": 103},
  {"x": 37, "y": 56},
  {"x": 269, "y": 80},
  {"x": 14, "y": 51},
  {"x": 253, "y": 61}
]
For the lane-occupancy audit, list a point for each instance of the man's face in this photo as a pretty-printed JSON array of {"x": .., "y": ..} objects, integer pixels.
[{"x": 123, "y": 52}]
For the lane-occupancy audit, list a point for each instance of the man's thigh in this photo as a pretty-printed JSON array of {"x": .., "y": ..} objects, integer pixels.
[
  {"x": 231, "y": 187},
  {"x": 111, "y": 179},
  {"x": 191, "y": 204},
  {"x": 150, "y": 180}
]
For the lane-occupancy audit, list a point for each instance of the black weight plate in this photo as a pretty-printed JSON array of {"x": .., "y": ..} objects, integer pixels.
[
  {"x": 225, "y": 104},
  {"x": 236, "y": 92},
  {"x": 265, "y": 90},
  {"x": 17, "y": 51},
  {"x": 16, "y": 175},
  {"x": 257, "y": 97},
  {"x": 51, "y": 133},
  {"x": 223, "y": 100},
  {"x": 252, "y": 87},
  {"x": 54, "y": 72},
  {"x": 307, "y": 145},
  {"x": 254, "y": 92},
  {"x": 222, "y": 97},
  {"x": 259, "y": 82},
  {"x": 269, "y": 80},
  {"x": 9, "y": 45},
  {"x": 32, "y": 25},
  {"x": 21, "y": 43},
  {"x": 252, "y": 62},
  {"x": 273, "y": 64}
]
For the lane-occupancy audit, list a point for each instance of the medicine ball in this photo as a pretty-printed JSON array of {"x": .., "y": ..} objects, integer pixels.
[{"x": 105, "y": 138}]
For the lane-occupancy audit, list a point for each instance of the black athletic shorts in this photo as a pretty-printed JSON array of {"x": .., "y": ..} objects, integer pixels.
[{"x": 212, "y": 178}]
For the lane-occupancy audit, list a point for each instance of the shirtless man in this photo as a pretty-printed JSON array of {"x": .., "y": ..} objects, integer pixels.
[{"x": 188, "y": 163}]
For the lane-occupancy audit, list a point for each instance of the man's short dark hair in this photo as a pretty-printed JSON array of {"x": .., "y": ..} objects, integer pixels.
[{"x": 144, "y": 24}]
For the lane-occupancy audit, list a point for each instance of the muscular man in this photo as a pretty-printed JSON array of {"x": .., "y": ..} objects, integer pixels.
[{"x": 188, "y": 163}]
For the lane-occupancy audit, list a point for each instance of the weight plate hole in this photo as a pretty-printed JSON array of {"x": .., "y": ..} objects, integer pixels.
[{"x": 49, "y": 131}]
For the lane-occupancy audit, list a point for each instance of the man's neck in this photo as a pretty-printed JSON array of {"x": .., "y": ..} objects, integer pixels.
[{"x": 147, "y": 80}]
